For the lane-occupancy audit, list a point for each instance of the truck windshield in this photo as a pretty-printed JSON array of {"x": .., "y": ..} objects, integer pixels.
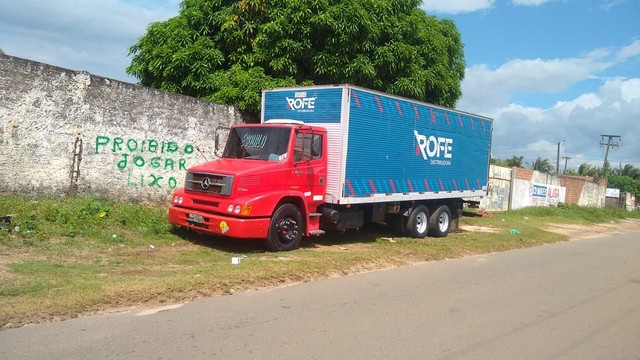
[{"x": 257, "y": 143}]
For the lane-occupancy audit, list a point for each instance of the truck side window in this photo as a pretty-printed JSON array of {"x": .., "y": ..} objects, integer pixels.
[{"x": 308, "y": 147}]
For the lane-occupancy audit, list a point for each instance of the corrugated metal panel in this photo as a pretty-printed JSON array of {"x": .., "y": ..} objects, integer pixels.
[
  {"x": 374, "y": 154},
  {"x": 384, "y": 154}
]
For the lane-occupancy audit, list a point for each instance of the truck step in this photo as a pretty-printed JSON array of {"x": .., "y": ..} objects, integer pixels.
[
  {"x": 314, "y": 214},
  {"x": 316, "y": 232}
]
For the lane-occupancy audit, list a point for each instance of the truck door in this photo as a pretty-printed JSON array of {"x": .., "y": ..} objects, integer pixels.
[{"x": 309, "y": 166}]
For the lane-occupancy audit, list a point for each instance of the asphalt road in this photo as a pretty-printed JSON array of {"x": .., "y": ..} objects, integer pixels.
[{"x": 573, "y": 300}]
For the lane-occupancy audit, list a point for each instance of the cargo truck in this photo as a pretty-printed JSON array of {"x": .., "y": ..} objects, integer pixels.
[{"x": 336, "y": 157}]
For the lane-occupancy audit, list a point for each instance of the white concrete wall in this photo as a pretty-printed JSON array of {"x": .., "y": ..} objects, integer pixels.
[
  {"x": 593, "y": 194},
  {"x": 497, "y": 198},
  {"x": 135, "y": 142},
  {"x": 533, "y": 188}
]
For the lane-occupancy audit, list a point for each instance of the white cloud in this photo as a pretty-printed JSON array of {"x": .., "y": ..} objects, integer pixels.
[
  {"x": 629, "y": 51},
  {"x": 456, "y": 6},
  {"x": 612, "y": 108},
  {"x": 529, "y": 2},
  {"x": 82, "y": 35},
  {"x": 484, "y": 89},
  {"x": 532, "y": 132},
  {"x": 585, "y": 101},
  {"x": 630, "y": 90},
  {"x": 608, "y": 5}
]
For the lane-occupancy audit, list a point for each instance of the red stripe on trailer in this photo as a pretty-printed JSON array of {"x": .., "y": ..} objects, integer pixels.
[
  {"x": 441, "y": 185},
  {"x": 483, "y": 128},
  {"x": 467, "y": 182},
  {"x": 426, "y": 184},
  {"x": 415, "y": 110},
  {"x": 479, "y": 185},
  {"x": 355, "y": 98},
  {"x": 446, "y": 117},
  {"x": 410, "y": 185},
  {"x": 399, "y": 108},
  {"x": 379, "y": 104},
  {"x": 373, "y": 187},
  {"x": 433, "y": 116},
  {"x": 417, "y": 150},
  {"x": 350, "y": 187},
  {"x": 393, "y": 187},
  {"x": 473, "y": 125},
  {"x": 460, "y": 120},
  {"x": 455, "y": 185}
]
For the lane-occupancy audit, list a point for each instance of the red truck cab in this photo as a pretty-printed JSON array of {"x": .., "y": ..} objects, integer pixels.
[{"x": 267, "y": 185}]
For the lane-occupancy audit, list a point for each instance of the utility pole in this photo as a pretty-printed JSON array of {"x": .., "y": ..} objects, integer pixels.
[
  {"x": 565, "y": 164},
  {"x": 610, "y": 143},
  {"x": 558, "y": 157}
]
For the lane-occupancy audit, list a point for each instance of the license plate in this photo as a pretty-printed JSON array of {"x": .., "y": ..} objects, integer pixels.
[{"x": 196, "y": 218}]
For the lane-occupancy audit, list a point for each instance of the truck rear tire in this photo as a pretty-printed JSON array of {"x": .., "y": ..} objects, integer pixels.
[
  {"x": 418, "y": 222},
  {"x": 440, "y": 222},
  {"x": 285, "y": 229}
]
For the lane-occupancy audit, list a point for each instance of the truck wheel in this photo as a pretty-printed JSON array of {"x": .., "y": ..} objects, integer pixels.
[
  {"x": 440, "y": 222},
  {"x": 285, "y": 229},
  {"x": 418, "y": 222}
]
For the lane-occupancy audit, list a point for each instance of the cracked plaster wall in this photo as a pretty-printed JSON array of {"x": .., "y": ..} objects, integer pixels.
[{"x": 64, "y": 131}]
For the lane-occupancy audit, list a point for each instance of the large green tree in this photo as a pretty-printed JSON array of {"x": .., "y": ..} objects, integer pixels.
[{"x": 227, "y": 51}]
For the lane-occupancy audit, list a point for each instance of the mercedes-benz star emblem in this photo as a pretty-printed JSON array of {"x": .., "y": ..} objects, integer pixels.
[{"x": 205, "y": 183}]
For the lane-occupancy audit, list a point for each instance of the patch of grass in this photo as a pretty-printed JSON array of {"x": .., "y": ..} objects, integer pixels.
[{"x": 62, "y": 258}]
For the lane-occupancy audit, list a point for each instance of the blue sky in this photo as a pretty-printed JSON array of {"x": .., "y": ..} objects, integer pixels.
[{"x": 544, "y": 70}]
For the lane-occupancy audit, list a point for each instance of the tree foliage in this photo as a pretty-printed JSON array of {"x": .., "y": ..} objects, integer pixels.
[
  {"x": 587, "y": 170},
  {"x": 624, "y": 183},
  {"x": 626, "y": 179},
  {"x": 514, "y": 161},
  {"x": 542, "y": 165},
  {"x": 226, "y": 50}
]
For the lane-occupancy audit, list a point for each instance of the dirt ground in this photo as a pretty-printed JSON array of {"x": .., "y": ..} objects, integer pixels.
[{"x": 577, "y": 232}]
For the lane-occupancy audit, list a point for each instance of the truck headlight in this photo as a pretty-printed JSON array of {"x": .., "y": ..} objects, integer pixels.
[{"x": 244, "y": 210}]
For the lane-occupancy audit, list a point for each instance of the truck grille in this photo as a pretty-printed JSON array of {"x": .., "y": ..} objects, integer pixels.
[{"x": 209, "y": 183}]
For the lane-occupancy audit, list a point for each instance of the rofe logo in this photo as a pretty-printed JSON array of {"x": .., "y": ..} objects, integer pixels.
[
  {"x": 301, "y": 102},
  {"x": 432, "y": 147}
]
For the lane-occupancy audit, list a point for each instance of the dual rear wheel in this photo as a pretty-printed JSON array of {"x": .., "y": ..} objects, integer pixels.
[{"x": 421, "y": 223}]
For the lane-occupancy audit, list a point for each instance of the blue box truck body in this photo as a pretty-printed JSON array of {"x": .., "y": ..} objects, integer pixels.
[{"x": 385, "y": 148}]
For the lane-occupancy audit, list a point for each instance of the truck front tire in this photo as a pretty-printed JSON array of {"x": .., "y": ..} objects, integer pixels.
[
  {"x": 440, "y": 222},
  {"x": 285, "y": 229}
]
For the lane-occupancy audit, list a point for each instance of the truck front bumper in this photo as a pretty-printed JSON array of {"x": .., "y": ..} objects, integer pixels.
[{"x": 221, "y": 225}]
